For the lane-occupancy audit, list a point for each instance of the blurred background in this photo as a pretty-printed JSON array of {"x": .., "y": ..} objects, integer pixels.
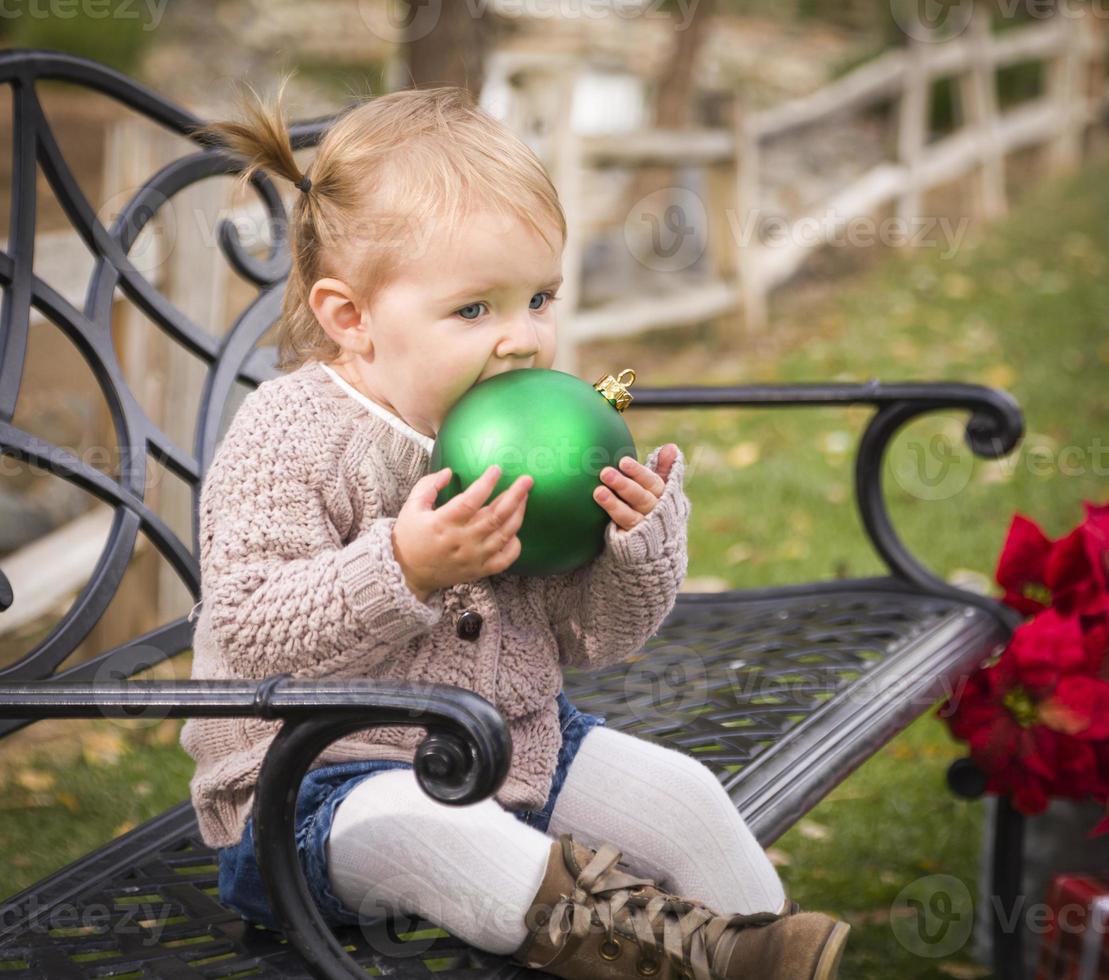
[{"x": 756, "y": 191}]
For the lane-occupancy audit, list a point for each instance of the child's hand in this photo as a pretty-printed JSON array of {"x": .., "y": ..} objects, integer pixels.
[
  {"x": 462, "y": 541},
  {"x": 629, "y": 496}
]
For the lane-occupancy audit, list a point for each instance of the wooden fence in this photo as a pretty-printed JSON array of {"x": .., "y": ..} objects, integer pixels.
[{"x": 1070, "y": 46}]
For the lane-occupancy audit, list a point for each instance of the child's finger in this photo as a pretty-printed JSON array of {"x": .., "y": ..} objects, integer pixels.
[
  {"x": 617, "y": 509},
  {"x": 465, "y": 505},
  {"x": 428, "y": 486},
  {"x": 516, "y": 518},
  {"x": 510, "y": 498},
  {"x": 666, "y": 458},
  {"x": 506, "y": 556},
  {"x": 501, "y": 510},
  {"x": 634, "y": 494},
  {"x": 643, "y": 475}
]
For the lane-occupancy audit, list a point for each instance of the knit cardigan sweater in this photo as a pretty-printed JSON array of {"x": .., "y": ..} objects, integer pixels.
[{"x": 298, "y": 574}]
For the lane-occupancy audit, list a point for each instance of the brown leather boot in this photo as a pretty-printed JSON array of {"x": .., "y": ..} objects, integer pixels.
[{"x": 591, "y": 919}]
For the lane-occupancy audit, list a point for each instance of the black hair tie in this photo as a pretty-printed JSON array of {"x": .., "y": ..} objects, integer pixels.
[{"x": 304, "y": 183}]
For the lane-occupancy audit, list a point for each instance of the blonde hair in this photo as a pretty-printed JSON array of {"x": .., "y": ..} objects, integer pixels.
[{"x": 389, "y": 171}]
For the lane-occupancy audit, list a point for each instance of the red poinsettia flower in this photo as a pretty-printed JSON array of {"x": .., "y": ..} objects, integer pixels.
[
  {"x": 1037, "y": 720},
  {"x": 1071, "y": 573},
  {"x": 1044, "y": 650},
  {"x": 1022, "y": 566},
  {"x": 1075, "y": 572}
]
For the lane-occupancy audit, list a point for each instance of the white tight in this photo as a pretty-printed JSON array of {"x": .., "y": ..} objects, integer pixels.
[{"x": 474, "y": 870}]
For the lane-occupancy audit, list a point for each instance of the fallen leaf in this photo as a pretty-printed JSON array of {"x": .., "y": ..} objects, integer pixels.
[
  {"x": 101, "y": 748},
  {"x": 899, "y": 751},
  {"x": 166, "y": 733},
  {"x": 966, "y": 971},
  {"x": 800, "y": 521},
  {"x": 738, "y": 552},
  {"x": 993, "y": 471},
  {"x": 36, "y": 780},
  {"x": 69, "y": 801},
  {"x": 743, "y": 454},
  {"x": 778, "y": 857},
  {"x": 836, "y": 442},
  {"x": 957, "y": 285},
  {"x": 971, "y": 580},
  {"x": 905, "y": 350},
  {"x": 793, "y": 549},
  {"x": 813, "y": 830},
  {"x": 999, "y": 376},
  {"x": 704, "y": 583}
]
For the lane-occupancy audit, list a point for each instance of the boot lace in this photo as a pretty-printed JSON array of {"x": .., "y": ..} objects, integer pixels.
[{"x": 690, "y": 929}]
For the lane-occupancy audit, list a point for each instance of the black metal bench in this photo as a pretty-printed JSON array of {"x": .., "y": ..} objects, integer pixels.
[{"x": 799, "y": 685}]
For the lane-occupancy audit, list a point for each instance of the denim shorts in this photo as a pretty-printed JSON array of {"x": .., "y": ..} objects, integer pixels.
[{"x": 240, "y": 881}]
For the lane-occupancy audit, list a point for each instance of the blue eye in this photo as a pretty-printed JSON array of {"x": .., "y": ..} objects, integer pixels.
[
  {"x": 476, "y": 307},
  {"x": 546, "y": 293}
]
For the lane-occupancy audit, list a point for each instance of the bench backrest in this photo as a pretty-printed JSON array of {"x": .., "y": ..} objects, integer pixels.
[{"x": 228, "y": 360}]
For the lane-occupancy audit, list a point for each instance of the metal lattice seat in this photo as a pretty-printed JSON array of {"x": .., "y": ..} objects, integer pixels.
[
  {"x": 781, "y": 695},
  {"x": 781, "y": 692}
]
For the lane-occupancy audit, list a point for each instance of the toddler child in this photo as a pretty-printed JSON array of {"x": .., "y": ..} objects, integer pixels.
[{"x": 426, "y": 245}]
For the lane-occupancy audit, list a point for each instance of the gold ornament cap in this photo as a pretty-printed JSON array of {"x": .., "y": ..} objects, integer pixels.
[{"x": 616, "y": 389}]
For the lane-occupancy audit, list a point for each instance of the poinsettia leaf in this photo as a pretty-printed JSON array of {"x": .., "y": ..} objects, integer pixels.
[
  {"x": 1023, "y": 556},
  {"x": 1101, "y": 827},
  {"x": 1030, "y": 798},
  {"x": 1082, "y": 704}
]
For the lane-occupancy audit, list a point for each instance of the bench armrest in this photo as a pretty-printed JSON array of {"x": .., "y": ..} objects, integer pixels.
[
  {"x": 994, "y": 427},
  {"x": 464, "y": 758}
]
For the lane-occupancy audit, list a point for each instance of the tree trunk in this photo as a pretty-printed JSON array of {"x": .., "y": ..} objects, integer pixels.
[
  {"x": 675, "y": 93},
  {"x": 445, "y": 45}
]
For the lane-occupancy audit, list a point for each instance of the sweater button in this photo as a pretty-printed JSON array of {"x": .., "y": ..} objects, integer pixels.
[{"x": 469, "y": 625}]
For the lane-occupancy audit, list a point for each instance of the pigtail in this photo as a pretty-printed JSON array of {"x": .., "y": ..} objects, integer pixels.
[{"x": 261, "y": 137}]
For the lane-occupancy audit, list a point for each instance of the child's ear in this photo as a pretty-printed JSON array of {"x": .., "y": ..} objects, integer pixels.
[{"x": 338, "y": 312}]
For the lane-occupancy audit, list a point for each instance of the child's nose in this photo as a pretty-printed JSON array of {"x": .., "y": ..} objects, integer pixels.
[{"x": 521, "y": 339}]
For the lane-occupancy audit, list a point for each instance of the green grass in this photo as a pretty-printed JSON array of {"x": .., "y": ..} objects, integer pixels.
[
  {"x": 1022, "y": 308},
  {"x": 891, "y": 823},
  {"x": 53, "y": 814}
]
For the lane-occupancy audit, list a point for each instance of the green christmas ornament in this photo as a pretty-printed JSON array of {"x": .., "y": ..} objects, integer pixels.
[{"x": 559, "y": 430}]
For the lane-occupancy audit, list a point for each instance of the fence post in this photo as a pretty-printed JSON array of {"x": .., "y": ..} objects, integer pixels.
[
  {"x": 195, "y": 260},
  {"x": 1096, "y": 80},
  {"x": 129, "y": 159},
  {"x": 721, "y": 207},
  {"x": 912, "y": 127},
  {"x": 567, "y": 162},
  {"x": 1066, "y": 90},
  {"x": 978, "y": 99},
  {"x": 752, "y": 284}
]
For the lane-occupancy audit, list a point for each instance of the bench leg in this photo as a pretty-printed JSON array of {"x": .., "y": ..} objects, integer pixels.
[{"x": 1008, "y": 876}]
